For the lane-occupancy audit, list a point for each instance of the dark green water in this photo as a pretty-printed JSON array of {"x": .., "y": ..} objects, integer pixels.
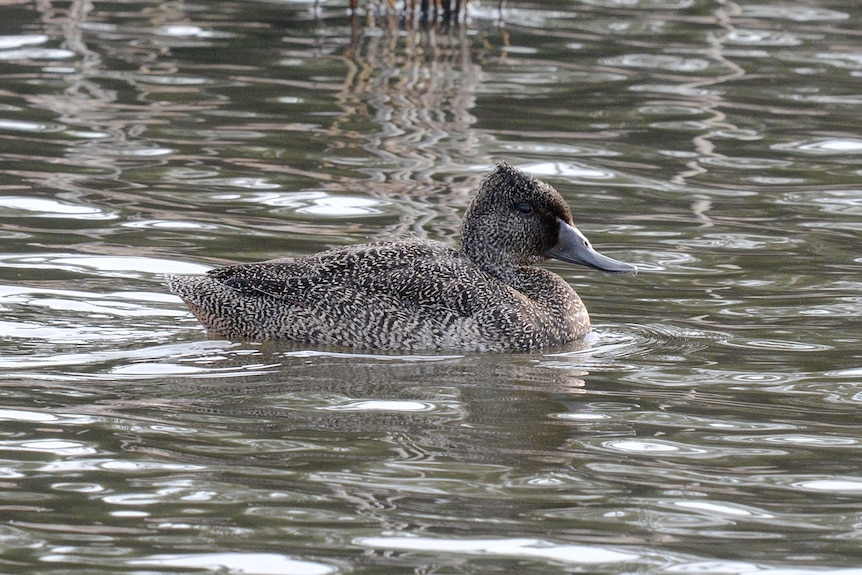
[{"x": 709, "y": 425}]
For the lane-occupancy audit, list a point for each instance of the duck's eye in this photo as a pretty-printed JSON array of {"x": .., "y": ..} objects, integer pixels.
[{"x": 525, "y": 208}]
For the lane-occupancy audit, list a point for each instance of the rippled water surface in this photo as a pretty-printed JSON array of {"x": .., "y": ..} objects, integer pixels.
[{"x": 709, "y": 425}]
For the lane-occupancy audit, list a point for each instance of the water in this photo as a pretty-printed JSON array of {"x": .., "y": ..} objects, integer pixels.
[{"x": 709, "y": 425}]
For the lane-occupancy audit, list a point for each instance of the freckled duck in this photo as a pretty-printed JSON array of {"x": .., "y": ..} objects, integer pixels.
[{"x": 413, "y": 294}]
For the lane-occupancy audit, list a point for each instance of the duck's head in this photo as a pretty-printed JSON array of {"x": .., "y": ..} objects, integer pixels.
[{"x": 517, "y": 220}]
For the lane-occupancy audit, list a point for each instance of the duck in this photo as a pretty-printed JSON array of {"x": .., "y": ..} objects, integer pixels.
[{"x": 413, "y": 294}]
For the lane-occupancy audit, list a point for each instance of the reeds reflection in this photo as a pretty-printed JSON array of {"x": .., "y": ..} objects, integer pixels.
[
  {"x": 417, "y": 85},
  {"x": 426, "y": 11}
]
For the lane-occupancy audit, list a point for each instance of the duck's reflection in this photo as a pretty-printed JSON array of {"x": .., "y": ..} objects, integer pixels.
[{"x": 484, "y": 409}]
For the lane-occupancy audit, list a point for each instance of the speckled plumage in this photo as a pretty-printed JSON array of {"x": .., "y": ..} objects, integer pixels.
[{"x": 412, "y": 294}]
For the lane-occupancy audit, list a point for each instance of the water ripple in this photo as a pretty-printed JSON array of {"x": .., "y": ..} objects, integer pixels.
[
  {"x": 844, "y": 201},
  {"x": 797, "y": 13},
  {"x": 18, "y": 41},
  {"x": 831, "y": 146},
  {"x": 756, "y": 37},
  {"x": 381, "y": 405},
  {"x": 660, "y": 62},
  {"x": 123, "y": 266},
  {"x": 16, "y": 207},
  {"x": 247, "y": 563},
  {"x": 34, "y": 127},
  {"x": 36, "y": 54},
  {"x": 58, "y": 447},
  {"x": 502, "y": 547},
  {"x": 661, "y": 449},
  {"x": 776, "y": 345}
]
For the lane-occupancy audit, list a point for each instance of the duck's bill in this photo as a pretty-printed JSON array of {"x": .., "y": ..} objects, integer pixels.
[{"x": 574, "y": 247}]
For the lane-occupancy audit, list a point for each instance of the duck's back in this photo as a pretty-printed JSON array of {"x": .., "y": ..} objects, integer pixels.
[{"x": 405, "y": 295}]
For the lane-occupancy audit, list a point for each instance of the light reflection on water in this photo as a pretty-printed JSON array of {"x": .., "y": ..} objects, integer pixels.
[{"x": 716, "y": 401}]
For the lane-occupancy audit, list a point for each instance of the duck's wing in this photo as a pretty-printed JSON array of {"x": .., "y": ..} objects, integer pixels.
[
  {"x": 283, "y": 279},
  {"x": 407, "y": 273}
]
